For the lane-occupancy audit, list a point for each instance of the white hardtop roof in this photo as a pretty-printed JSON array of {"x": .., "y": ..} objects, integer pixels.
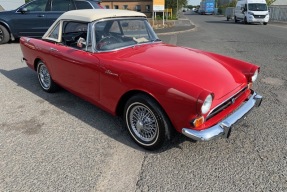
[{"x": 89, "y": 15}]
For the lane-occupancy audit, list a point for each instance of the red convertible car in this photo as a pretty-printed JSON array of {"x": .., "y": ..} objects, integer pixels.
[{"x": 114, "y": 59}]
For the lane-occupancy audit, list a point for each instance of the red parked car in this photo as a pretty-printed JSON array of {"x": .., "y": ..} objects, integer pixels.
[{"x": 113, "y": 59}]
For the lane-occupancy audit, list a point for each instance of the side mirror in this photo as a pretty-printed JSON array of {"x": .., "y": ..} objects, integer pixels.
[{"x": 23, "y": 10}]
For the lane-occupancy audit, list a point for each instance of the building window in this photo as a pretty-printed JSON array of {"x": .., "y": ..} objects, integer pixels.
[
  {"x": 107, "y": 6},
  {"x": 125, "y": 6},
  {"x": 147, "y": 8},
  {"x": 116, "y": 7},
  {"x": 138, "y": 8}
]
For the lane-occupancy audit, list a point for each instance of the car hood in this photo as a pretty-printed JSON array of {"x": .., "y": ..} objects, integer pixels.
[
  {"x": 190, "y": 65},
  {"x": 4, "y": 13}
]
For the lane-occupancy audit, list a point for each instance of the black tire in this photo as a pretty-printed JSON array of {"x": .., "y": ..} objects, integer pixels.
[
  {"x": 235, "y": 20},
  {"x": 147, "y": 123},
  {"x": 4, "y": 35},
  {"x": 265, "y": 23},
  {"x": 45, "y": 78},
  {"x": 245, "y": 20}
]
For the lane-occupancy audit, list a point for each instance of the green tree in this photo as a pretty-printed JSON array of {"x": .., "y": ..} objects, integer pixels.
[
  {"x": 172, "y": 4},
  {"x": 269, "y": 2}
]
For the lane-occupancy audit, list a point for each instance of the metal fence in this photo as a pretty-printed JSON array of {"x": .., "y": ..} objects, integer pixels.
[{"x": 278, "y": 13}]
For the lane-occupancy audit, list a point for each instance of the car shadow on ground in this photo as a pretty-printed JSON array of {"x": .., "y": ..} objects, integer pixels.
[{"x": 84, "y": 111}]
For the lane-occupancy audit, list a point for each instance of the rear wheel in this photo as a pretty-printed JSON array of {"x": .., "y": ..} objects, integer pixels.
[
  {"x": 45, "y": 78},
  {"x": 235, "y": 19},
  {"x": 148, "y": 125},
  {"x": 4, "y": 35}
]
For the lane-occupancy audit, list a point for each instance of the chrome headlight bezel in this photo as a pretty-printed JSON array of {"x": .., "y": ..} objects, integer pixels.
[{"x": 254, "y": 76}]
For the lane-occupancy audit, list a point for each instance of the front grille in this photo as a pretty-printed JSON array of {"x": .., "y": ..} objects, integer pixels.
[
  {"x": 225, "y": 104},
  {"x": 259, "y": 16}
]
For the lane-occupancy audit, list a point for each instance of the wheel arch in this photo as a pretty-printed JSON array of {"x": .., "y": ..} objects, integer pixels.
[
  {"x": 6, "y": 25},
  {"x": 36, "y": 62},
  {"x": 169, "y": 128},
  {"x": 123, "y": 100}
]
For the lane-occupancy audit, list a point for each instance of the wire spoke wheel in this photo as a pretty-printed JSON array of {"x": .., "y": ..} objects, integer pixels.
[
  {"x": 143, "y": 122},
  {"x": 147, "y": 123},
  {"x": 45, "y": 78}
]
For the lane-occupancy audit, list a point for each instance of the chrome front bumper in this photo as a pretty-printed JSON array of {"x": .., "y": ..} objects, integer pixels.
[{"x": 224, "y": 127}]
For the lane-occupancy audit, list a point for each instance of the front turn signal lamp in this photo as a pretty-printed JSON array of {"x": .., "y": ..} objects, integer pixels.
[{"x": 198, "y": 121}]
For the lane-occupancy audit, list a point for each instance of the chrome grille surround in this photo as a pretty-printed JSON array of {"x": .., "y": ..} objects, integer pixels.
[{"x": 225, "y": 103}]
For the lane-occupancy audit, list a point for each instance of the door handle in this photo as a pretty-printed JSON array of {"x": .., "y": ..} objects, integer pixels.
[{"x": 41, "y": 15}]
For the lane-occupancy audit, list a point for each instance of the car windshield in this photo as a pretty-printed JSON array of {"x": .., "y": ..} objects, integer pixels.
[
  {"x": 257, "y": 7},
  {"x": 115, "y": 34}
]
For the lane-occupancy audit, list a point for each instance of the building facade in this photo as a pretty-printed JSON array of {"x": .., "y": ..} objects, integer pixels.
[{"x": 144, "y": 6}]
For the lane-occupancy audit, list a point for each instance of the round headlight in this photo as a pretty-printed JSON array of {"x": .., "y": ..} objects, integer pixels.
[
  {"x": 206, "y": 104},
  {"x": 254, "y": 76}
]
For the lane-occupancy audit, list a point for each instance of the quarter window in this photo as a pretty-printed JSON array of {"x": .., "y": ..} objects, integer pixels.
[{"x": 55, "y": 33}]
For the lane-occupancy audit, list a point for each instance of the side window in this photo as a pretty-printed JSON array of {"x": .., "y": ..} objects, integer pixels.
[
  {"x": 75, "y": 34},
  {"x": 36, "y": 6},
  {"x": 83, "y": 5},
  {"x": 55, "y": 32},
  {"x": 62, "y": 5}
]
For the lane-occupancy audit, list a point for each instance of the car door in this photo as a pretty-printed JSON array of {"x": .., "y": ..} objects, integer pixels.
[
  {"x": 75, "y": 69},
  {"x": 31, "y": 19}
]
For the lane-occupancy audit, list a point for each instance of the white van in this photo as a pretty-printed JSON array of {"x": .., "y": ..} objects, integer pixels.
[{"x": 251, "y": 11}]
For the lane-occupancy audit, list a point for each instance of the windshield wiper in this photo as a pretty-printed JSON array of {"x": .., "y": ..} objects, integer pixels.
[{"x": 155, "y": 40}]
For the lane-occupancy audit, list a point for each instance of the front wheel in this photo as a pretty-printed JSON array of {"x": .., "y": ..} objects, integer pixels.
[
  {"x": 235, "y": 19},
  {"x": 245, "y": 20},
  {"x": 265, "y": 23},
  {"x": 45, "y": 78},
  {"x": 4, "y": 35},
  {"x": 147, "y": 123}
]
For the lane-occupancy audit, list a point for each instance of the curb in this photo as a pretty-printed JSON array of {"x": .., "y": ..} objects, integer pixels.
[{"x": 192, "y": 27}]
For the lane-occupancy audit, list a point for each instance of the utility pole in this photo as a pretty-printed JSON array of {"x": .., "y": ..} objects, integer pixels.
[{"x": 177, "y": 9}]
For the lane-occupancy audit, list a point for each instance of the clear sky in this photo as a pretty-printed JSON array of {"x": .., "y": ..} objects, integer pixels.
[{"x": 194, "y": 2}]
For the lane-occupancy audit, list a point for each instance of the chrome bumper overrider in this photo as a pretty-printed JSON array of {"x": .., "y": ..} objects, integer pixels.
[{"x": 224, "y": 127}]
